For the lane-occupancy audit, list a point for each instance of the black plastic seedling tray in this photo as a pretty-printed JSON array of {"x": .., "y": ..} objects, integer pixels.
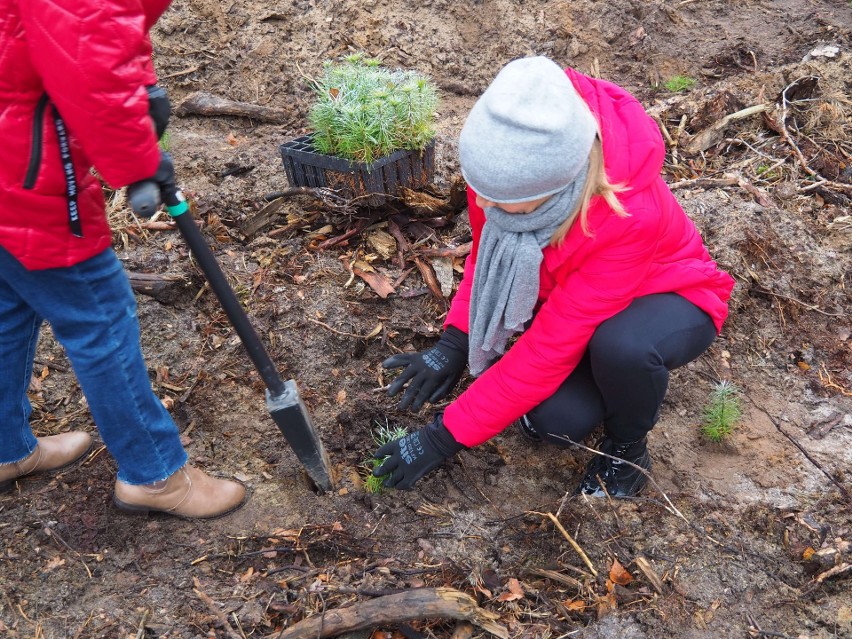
[{"x": 373, "y": 181}]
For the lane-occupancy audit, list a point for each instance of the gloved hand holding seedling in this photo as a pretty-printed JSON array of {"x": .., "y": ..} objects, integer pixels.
[
  {"x": 383, "y": 434},
  {"x": 409, "y": 458}
]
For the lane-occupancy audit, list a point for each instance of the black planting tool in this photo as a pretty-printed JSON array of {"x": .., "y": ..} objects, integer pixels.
[{"x": 282, "y": 398}]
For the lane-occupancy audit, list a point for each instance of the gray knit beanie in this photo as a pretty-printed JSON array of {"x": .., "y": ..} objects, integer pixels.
[{"x": 528, "y": 135}]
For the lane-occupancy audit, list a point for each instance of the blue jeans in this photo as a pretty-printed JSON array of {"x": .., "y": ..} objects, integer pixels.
[{"x": 92, "y": 311}]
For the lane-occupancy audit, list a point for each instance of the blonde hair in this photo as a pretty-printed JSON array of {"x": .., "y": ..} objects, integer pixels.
[{"x": 597, "y": 183}]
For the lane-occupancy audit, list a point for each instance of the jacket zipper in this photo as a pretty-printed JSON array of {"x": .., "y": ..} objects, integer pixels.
[{"x": 35, "y": 153}]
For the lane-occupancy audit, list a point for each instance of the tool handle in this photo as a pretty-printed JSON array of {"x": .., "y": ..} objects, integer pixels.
[{"x": 148, "y": 194}]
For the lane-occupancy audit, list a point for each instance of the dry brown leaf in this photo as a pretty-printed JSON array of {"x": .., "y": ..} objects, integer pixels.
[
  {"x": 376, "y": 330},
  {"x": 575, "y": 605},
  {"x": 515, "y": 591},
  {"x": 54, "y": 563},
  {"x": 384, "y": 243},
  {"x": 618, "y": 574},
  {"x": 341, "y": 396},
  {"x": 378, "y": 282}
]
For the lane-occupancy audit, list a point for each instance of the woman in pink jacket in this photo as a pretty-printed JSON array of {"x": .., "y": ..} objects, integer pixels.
[
  {"x": 582, "y": 252},
  {"x": 77, "y": 90}
]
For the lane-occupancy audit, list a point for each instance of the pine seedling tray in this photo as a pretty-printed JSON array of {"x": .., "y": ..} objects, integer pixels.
[{"x": 372, "y": 181}]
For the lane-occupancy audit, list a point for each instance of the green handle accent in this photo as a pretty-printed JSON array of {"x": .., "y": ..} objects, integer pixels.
[{"x": 178, "y": 209}]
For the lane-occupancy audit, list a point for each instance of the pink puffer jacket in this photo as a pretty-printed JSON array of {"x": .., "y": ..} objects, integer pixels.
[{"x": 588, "y": 280}]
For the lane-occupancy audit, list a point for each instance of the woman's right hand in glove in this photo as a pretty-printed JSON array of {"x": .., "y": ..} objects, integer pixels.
[{"x": 430, "y": 374}]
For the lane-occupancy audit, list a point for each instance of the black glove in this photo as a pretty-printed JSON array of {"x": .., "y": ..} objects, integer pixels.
[
  {"x": 145, "y": 196},
  {"x": 412, "y": 456},
  {"x": 159, "y": 108},
  {"x": 433, "y": 373}
]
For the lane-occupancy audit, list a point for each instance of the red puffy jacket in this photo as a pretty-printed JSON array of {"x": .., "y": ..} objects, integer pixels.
[
  {"x": 588, "y": 280},
  {"x": 84, "y": 63}
]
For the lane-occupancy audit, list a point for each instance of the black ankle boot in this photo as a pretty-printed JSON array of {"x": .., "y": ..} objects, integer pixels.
[
  {"x": 528, "y": 430},
  {"x": 620, "y": 479}
]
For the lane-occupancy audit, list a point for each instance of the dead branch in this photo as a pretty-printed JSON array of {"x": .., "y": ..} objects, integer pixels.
[
  {"x": 318, "y": 192},
  {"x": 785, "y": 135},
  {"x": 729, "y": 179},
  {"x": 160, "y": 286},
  {"x": 670, "y": 507},
  {"x": 645, "y": 567},
  {"x": 801, "y": 448},
  {"x": 356, "y": 228},
  {"x": 214, "y": 609},
  {"x": 260, "y": 219},
  {"x": 207, "y": 104},
  {"x": 344, "y": 333},
  {"x": 165, "y": 225},
  {"x": 715, "y": 132},
  {"x": 421, "y": 603},
  {"x": 553, "y": 575},
  {"x": 810, "y": 307},
  {"x": 447, "y": 251},
  {"x": 705, "y": 183},
  {"x": 833, "y": 572},
  {"x": 571, "y": 541}
]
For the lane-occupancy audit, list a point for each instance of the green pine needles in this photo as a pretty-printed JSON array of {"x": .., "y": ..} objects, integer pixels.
[
  {"x": 679, "y": 83},
  {"x": 364, "y": 111},
  {"x": 382, "y": 434},
  {"x": 722, "y": 412}
]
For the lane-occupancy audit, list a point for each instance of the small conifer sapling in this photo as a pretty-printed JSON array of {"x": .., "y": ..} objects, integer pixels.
[{"x": 722, "y": 412}]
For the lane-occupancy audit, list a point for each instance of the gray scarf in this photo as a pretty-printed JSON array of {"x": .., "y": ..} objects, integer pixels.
[{"x": 506, "y": 279}]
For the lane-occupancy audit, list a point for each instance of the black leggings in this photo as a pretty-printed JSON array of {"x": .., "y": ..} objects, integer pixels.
[{"x": 622, "y": 379}]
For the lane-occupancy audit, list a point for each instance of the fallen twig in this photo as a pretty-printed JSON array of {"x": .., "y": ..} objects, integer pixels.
[
  {"x": 553, "y": 575},
  {"x": 729, "y": 179},
  {"x": 833, "y": 572},
  {"x": 810, "y": 307},
  {"x": 447, "y": 251},
  {"x": 715, "y": 132},
  {"x": 801, "y": 448},
  {"x": 320, "y": 192},
  {"x": 179, "y": 73},
  {"x": 203, "y": 103},
  {"x": 645, "y": 567},
  {"x": 570, "y": 539},
  {"x": 671, "y": 507},
  {"x": 785, "y": 135},
  {"x": 420, "y": 603},
  {"x": 140, "y": 633},
  {"x": 705, "y": 183},
  {"x": 214, "y": 609},
  {"x": 756, "y": 631},
  {"x": 334, "y": 330}
]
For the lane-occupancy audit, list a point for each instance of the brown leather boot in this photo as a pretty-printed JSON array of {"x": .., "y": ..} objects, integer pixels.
[
  {"x": 51, "y": 453},
  {"x": 188, "y": 493}
]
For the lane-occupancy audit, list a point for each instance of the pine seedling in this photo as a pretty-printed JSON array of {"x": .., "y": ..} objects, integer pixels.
[
  {"x": 679, "y": 83},
  {"x": 722, "y": 412},
  {"x": 382, "y": 434},
  {"x": 364, "y": 111}
]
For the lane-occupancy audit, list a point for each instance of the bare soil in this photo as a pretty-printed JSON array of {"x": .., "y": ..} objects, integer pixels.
[{"x": 745, "y": 539}]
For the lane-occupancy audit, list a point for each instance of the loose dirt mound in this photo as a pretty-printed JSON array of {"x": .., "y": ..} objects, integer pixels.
[{"x": 750, "y": 538}]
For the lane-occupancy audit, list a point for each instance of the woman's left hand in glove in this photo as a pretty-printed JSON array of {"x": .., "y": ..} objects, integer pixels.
[{"x": 411, "y": 457}]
